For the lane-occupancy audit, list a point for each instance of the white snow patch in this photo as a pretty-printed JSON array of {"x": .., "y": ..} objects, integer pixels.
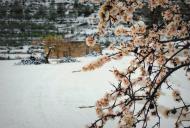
[{"x": 48, "y": 95}]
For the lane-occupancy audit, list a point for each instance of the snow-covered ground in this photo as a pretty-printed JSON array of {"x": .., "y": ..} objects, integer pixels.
[{"x": 48, "y": 95}]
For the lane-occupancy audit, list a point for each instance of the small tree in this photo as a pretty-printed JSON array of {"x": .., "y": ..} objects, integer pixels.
[
  {"x": 158, "y": 50},
  {"x": 51, "y": 42}
]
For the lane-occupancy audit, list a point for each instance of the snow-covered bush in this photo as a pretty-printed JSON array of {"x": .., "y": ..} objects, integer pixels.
[
  {"x": 4, "y": 58},
  {"x": 68, "y": 60},
  {"x": 31, "y": 60},
  {"x": 93, "y": 54},
  {"x": 155, "y": 48}
]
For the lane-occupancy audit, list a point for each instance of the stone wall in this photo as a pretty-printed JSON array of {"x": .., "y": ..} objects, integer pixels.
[{"x": 73, "y": 49}]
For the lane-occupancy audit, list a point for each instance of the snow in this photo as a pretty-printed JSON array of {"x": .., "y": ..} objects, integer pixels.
[
  {"x": 48, "y": 95},
  {"x": 21, "y": 52},
  {"x": 89, "y": 31},
  {"x": 15, "y": 56}
]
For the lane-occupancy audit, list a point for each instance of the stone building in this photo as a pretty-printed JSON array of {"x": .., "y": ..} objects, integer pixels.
[{"x": 73, "y": 49}]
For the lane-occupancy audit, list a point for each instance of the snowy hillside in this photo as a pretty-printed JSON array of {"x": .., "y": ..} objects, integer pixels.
[
  {"x": 38, "y": 18},
  {"x": 48, "y": 96}
]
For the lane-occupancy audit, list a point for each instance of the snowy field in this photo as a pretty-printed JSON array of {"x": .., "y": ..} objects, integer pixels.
[{"x": 48, "y": 96}]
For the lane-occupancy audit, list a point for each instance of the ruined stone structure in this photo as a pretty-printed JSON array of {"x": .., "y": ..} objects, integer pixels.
[{"x": 73, "y": 49}]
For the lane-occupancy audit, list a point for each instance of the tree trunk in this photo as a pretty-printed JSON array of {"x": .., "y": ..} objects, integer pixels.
[{"x": 47, "y": 56}]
